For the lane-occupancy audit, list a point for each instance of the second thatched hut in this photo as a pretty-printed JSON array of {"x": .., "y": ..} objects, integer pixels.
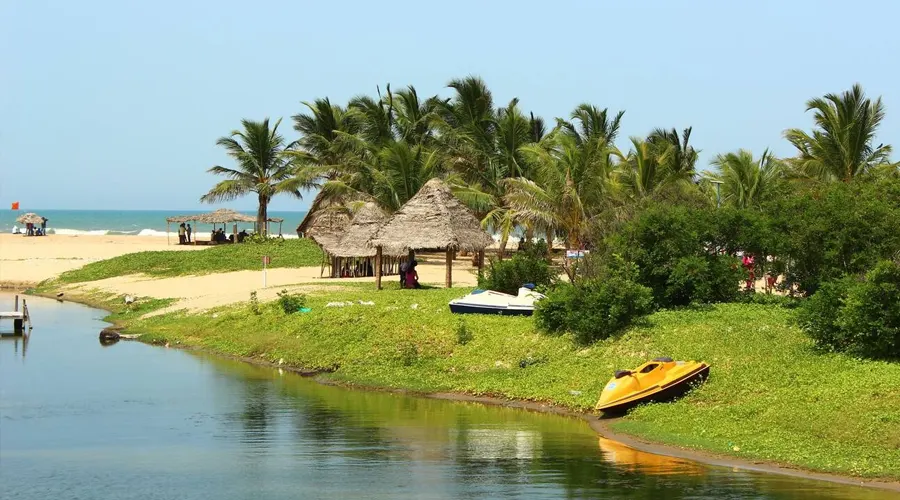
[
  {"x": 350, "y": 256},
  {"x": 433, "y": 219}
]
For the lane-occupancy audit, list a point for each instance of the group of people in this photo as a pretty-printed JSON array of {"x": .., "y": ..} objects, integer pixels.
[
  {"x": 31, "y": 230},
  {"x": 184, "y": 234},
  {"x": 216, "y": 236}
]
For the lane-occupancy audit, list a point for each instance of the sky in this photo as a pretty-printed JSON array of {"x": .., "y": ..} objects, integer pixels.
[{"x": 117, "y": 105}]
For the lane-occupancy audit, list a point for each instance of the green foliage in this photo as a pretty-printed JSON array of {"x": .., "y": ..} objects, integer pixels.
[
  {"x": 508, "y": 275},
  {"x": 254, "y": 303},
  {"x": 827, "y": 230},
  {"x": 857, "y": 316},
  {"x": 595, "y": 309},
  {"x": 291, "y": 302},
  {"x": 463, "y": 334},
  {"x": 214, "y": 259},
  {"x": 682, "y": 254},
  {"x": 537, "y": 249}
]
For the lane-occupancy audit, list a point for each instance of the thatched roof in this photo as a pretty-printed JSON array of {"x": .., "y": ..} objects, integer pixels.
[
  {"x": 327, "y": 214},
  {"x": 354, "y": 241},
  {"x": 30, "y": 218},
  {"x": 220, "y": 216},
  {"x": 432, "y": 219},
  {"x": 326, "y": 220}
]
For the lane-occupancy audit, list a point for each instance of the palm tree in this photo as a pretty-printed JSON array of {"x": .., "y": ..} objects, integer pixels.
[
  {"x": 570, "y": 185},
  {"x": 680, "y": 156},
  {"x": 262, "y": 168},
  {"x": 842, "y": 146},
  {"x": 321, "y": 146},
  {"x": 746, "y": 181},
  {"x": 644, "y": 169}
]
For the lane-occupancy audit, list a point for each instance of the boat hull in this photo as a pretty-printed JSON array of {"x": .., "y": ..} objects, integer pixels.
[
  {"x": 485, "y": 309},
  {"x": 671, "y": 391}
]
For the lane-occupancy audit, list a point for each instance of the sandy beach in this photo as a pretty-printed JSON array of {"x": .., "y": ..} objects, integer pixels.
[{"x": 27, "y": 261}]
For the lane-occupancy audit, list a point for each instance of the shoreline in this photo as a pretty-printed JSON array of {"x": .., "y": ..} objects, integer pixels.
[{"x": 600, "y": 425}]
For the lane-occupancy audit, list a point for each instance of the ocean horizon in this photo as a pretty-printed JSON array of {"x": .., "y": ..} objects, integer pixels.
[{"x": 133, "y": 222}]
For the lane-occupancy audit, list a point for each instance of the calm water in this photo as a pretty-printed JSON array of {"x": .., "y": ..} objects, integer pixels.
[
  {"x": 128, "y": 222},
  {"x": 78, "y": 420}
]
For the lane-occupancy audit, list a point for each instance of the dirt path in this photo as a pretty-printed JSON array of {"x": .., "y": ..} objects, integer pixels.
[{"x": 198, "y": 293}]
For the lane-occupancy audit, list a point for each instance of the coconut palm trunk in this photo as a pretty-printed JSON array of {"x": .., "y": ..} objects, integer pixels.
[{"x": 262, "y": 215}]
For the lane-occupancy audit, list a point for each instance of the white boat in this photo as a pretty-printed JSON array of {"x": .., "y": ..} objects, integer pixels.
[{"x": 491, "y": 302}]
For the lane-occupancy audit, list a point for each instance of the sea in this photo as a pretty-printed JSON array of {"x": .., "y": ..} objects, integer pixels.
[{"x": 131, "y": 222}]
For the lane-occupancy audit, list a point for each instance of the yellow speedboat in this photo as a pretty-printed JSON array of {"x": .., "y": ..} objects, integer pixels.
[{"x": 658, "y": 380}]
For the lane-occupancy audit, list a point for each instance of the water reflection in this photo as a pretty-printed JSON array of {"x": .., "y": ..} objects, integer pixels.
[
  {"x": 135, "y": 421},
  {"x": 19, "y": 343},
  {"x": 632, "y": 460}
]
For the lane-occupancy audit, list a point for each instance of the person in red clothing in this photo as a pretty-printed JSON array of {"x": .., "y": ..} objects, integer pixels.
[
  {"x": 412, "y": 277},
  {"x": 748, "y": 265}
]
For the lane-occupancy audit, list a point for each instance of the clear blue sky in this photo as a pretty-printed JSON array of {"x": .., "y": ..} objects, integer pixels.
[{"x": 110, "y": 105}]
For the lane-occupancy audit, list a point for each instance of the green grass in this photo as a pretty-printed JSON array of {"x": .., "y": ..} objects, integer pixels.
[
  {"x": 769, "y": 396},
  {"x": 221, "y": 258}
]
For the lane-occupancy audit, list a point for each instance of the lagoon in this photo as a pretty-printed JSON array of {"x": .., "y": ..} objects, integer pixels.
[{"x": 80, "y": 420}]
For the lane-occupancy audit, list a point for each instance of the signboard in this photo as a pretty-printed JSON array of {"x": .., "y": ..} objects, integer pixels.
[
  {"x": 267, "y": 260},
  {"x": 576, "y": 254}
]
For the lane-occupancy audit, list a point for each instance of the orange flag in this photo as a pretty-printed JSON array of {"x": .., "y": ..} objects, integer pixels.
[{"x": 15, "y": 205}]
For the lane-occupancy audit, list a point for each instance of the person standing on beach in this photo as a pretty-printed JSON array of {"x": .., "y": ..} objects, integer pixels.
[
  {"x": 43, "y": 226},
  {"x": 181, "y": 234},
  {"x": 188, "y": 233}
]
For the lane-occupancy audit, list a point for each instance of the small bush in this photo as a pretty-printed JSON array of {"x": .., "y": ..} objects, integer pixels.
[
  {"x": 254, "y": 303},
  {"x": 860, "y": 317},
  {"x": 508, "y": 275},
  {"x": 595, "y": 309},
  {"x": 291, "y": 302},
  {"x": 463, "y": 334},
  {"x": 769, "y": 299},
  {"x": 536, "y": 249},
  {"x": 407, "y": 353}
]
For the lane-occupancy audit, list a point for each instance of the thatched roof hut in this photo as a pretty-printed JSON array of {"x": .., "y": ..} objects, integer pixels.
[
  {"x": 432, "y": 219},
  {"x": 30, "y": 218},
  {"x": 325, "y": 215},
  {"x": 348, "y": 253},
  {"x": 356, "y": 235}
]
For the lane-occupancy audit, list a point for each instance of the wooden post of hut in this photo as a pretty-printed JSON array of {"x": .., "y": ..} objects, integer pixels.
[
  {"x": 449, "y": 283},
  {"x": 378, "y": 259}
]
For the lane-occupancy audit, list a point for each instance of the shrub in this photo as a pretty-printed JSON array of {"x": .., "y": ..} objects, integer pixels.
[
  {"x": 596, "y": 308},
  {"x": 463, "y": 334},
  {"x": 829, "y": 230},
  {"x": 291, "y": 302},
  {"x": 537, "y": 249},
  {"x": 508, "y": 275},
  {"x": 860, "y": 317},
  {"x": 678, "y": 251},
  {"x": 254, "y": 303}
]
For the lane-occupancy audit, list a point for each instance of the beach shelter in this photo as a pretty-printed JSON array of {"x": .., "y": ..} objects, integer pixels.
[
  {"x": 433, "y": 219},
  {"x": 350, "y": 255},
  {"x": 31, "y": 218},
  {"x": 221, "y": 216}
]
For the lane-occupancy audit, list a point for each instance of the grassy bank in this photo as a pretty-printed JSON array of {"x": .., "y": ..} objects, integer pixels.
[
  {"x": 220, "y": 258},
  {"x": 769, "y": 395}
]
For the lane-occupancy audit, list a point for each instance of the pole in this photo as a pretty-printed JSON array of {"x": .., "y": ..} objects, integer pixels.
[
  {"x": 265, "y": 261},
  {"x": 378, "y": 259},
  {"x": 449, "y": 281}
]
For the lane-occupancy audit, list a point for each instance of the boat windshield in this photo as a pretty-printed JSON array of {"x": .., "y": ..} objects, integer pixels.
[{"x": 649, "y": 368}]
